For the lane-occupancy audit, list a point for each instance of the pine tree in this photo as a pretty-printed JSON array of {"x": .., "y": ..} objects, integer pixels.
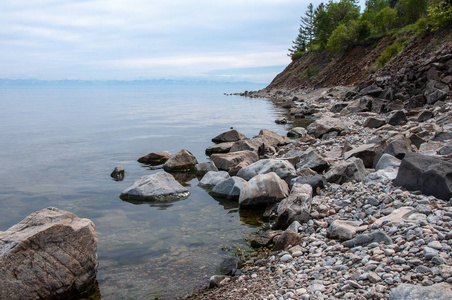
[{"x": 305, "y": 32}]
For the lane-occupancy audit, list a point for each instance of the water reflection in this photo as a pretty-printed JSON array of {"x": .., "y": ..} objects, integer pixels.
[{"x": 184, "y": 178}]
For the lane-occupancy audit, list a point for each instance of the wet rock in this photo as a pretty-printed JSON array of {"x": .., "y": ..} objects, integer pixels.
[
  {"x": 229, "y": 136},
  {"x": 351, "y": 169},
  {"x": 228, "y": 266},
  {"x": 51, "y": 254},
  {"x": 227, "y": 161},
  {"x": 397, "y": 118},
  {"x": 431, "y": 175},
  {"x": 286, "y": 239},
  {"x": 281, "y": 121},
  {"x": 155, "y": 158},
  {"x": 216, "y": 280},
  {"x": 219, "y": 148},
  {"x": 263, "y": 189},
  {"x": 156, "y": 187},
  {"x": 182, "y": 161},
  {"x": 212, "y": 178},
  {"x": 118, "y": 172},
  {"x": 282, "y": 168},
  {"x": 311, "y": 159},
  {"x": 229, "y": 188},
  {"x": 374, "y": 122},
  {"x": 416, "y": 292},
  {"x": 296, "y": 207},
  {"x": 204, "y": 167},
  {"x": 326, "y": 125},
  {"x": 273, "y": 139},
  {"x": 368, "y": 238}
]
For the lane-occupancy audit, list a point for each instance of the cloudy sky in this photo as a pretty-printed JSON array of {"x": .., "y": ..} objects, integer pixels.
[{"x": 226, "y": 40}]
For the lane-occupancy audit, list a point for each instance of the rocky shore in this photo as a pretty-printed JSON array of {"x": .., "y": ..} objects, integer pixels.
[{"x": 367, "y": 209}]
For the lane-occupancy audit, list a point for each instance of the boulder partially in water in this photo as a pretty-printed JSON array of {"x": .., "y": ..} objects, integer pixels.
[
  {"x": 229, "y": 188},
  {"x": 229, "y": 136},
  {"x": 226, "y": 161},
  {"x": 212, "y": 178},
  {"x": 182, "y": 161},
  {"x": 51, "y": 254},
  {"x": 156, "y": 187},
  {"x": 155, "y": 158}
]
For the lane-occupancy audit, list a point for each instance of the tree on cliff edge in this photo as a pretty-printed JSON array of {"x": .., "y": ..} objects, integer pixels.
[{"x": 305, "y": 32}]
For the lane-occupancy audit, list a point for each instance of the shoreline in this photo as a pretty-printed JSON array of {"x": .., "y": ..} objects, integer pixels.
[{"x": 321, "y": 267}]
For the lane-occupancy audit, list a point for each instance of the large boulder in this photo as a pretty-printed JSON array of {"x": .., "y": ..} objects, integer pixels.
[
  {"x": 326, "y": 125},
  {"x": 348, "y": 170},
  {"x": 51, "y": 254},
  {"x": 273, "y": 139},
  {"x": 284, "y": 169},
  {"x": 212, "y": 178},
  {"x": 156, "y": 187},
  {"x": 431, "y": 175},
  {"x": 226, "y": 161},
  {"x": 405, "y": 291},
  {"x": 297, "y": 132},
  {"x": 219, "y": 148},
  {"x": 263, "y": 189},
  {"x": 229, "y": 136},
  {"x": 296, "y": 207},
  {"x": 310, "y": 159},
  {"x": 229, "y": 189},
  {"x": 182, "y": 161},
  {"x": 155, "y": 158}
]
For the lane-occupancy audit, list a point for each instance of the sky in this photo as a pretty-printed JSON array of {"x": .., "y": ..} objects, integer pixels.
[{"x": 220, "y": 40}]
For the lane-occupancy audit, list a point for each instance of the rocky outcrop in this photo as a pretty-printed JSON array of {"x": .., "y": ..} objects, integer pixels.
[
  {"x": 51, "y": 254},
  {"x": 262, "y": 190},
  {"x": 431, "y": 175},
  {"x": 182, "y": 161},
  {"x": 156, "y": 187}
]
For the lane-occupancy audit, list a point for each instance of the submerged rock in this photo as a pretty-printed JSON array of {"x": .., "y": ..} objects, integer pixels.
[
  {"x": 156, "y": 187},
  {"x": 51, "y": 254}
]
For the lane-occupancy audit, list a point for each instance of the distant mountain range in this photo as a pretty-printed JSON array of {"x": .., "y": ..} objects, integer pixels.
[{"x": 37, "y": 82}]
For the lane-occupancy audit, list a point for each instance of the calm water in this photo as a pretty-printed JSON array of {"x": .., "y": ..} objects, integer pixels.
[{"x": 59, "y": 145}]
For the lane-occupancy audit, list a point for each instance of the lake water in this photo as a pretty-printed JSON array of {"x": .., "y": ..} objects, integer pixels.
[{"x": 60, "y": 144}]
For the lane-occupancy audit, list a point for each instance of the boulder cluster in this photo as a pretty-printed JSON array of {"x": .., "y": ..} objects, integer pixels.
[{"x": 359, "y": 203}]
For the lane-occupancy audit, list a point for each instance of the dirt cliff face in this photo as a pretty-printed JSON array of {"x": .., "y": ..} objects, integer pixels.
[{"x": 359, "y": 64}]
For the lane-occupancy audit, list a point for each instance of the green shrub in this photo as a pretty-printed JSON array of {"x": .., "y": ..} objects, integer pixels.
[
  {"x": 364, "y": 29},
  {"x": 341, "y": 38},
  {"x": 389, "y": 53},
  {"x": 386, "y": 19},
  {"x": 311, "y": 71},
  {"x": 440, "y": 16}
]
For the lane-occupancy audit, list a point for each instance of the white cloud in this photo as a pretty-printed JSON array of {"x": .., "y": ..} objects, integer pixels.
[{"x": 106, "y": 39}]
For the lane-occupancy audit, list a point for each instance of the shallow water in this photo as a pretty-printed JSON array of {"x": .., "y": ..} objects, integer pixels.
[{"x": 59, "y": 145}]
